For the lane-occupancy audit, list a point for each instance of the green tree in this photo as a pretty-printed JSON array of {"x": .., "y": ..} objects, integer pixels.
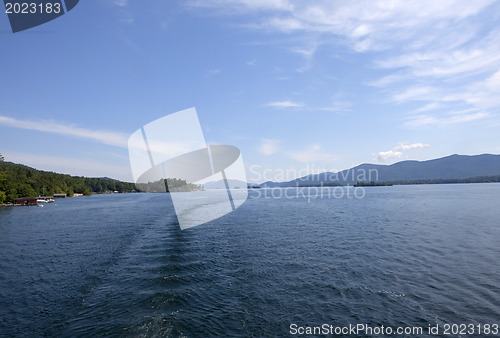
[
  {"x": 3, "y": 197},
  {"x": 2, "y": 158},
  {"x": 17, "y": 180},
  {"x": 25, "y": 190}
]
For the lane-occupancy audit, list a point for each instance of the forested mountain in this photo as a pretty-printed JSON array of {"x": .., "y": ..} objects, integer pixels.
[
  {"x": 17, "y": 180},
  {"x": 453, "y": 168}
]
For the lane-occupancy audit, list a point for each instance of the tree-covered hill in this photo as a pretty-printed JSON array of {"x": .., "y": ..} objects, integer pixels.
[
  {"x": 446, "y": 169},
  {"x": 17, "y": 180}
]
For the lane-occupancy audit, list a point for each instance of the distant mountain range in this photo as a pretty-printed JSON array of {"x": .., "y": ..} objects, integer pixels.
[
  {"x": 449, "y": 168},
  {"x": 233, "y": 184}
]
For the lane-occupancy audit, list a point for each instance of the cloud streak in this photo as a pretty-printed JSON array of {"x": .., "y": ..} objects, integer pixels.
[
  {"x": 101, "y": 136},
  {"x": 120, "y": 3},
  {"x": 269, "y": 146},
  {"x": 440, "y": 54},
  {"x": 425, "y": 120},
  {"x": 312, "y": 154},
  {"x": 365, "y": 24},
  {"x": 284, "y": 104}
]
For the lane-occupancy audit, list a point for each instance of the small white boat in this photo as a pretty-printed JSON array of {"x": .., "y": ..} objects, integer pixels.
[{"x": 44, "y": 200}]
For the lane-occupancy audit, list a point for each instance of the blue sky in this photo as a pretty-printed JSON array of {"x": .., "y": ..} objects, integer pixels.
[{"x": 301, "y": 85}]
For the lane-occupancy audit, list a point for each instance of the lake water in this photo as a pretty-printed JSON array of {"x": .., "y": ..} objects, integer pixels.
[{"x": 119, "y": 265}]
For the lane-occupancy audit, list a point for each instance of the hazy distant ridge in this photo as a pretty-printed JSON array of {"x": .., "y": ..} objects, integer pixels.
[{"x": 449, "y": 167}]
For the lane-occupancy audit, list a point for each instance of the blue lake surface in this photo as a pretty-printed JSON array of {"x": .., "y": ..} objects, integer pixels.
[{"x": 119, "y": 265}]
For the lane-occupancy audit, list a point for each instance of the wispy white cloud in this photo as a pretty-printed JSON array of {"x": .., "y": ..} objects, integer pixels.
[
  {"x": 338, "y": 104},
  {"x": 269, "y": 146},
  {"x": 120, "y": 3},
  {"x": 213, "y": 72},
  {"x": 426, "y": 120},
  {"x": 458, "y": 74},
  {"x": 398, "y": 151},
  {"x": 312, "y": 154},
  {"x": 385, "y": 155},
  {"x": 388, "y": 80},
  {"x": 415, "y": 94},
  {"x": 367, "y": 24},
  {"x": 437, "y": 53},
  {"x": 308, "y": 54},
  {"x": 414, "y": 146},
  {"x": 427, "y": 107},
  {"x": 451, "y": 104},
  {"x": 243, "y": 6},
  {"x": 162, "y": 149},
  {"x": 284, "y": 104},
  {"x": 101, "y": 136},
  {"x": 478, "y": 56}
]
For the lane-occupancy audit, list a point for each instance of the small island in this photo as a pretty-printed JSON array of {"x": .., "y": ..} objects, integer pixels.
[{"x": 373, "y": 184}]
